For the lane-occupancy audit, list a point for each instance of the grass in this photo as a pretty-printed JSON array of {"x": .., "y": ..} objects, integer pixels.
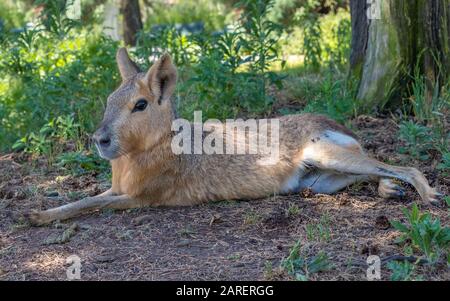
[
  {"x": 427, "y": 132},
  {"x": 319, "y": 231},
  {"x": 234, "y": 257},
  {"x": 225, "y": 203},
  {"x": 302, "y": 267},
  {"x": 268, "y": 270},
  {"x": 187, "y": 232},
  {"x": 252, "y": 218},
  {"x": 293, "y": 210}
]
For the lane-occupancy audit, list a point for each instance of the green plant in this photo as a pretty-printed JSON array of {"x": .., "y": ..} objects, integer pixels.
[
  {"x": 81, "y": 162},
  {"x": 260, "y": 42},
  {"x": 181, "y": 47},
  {"x": 312, "y": 46},
  {"x": 338, "y": 48},
  {"x": 313, "y": 40},
  {"x": 54, "y": 68},
  {"x": 293, "y": 210},
  {"x": 11, "y": 15},
  {"x": 444, "y": 166},
  {"x": 215, "y": 86},
  {"x": 334, "y": 97},
  {"x": 54, "y": 18},
  {"x": 319, "y": 231},
  {"x": 402, "y": 271},
  {"x": 424, "y": 233},
  {"x": 58, "y": 77},
  {"x": 49, "y": 139},
  {"x": 252, "y": 218},
  {"x": 418, "y": 139},
  {"x": 211, "y": 12},
  {"x": 60, "y": 141},
  {"x": 231, "y": 72},
  {"x": 428, "y": 103},
  {"x": 302, "y": 268},
  {"x": 268, "y": 270},
  {"x": 447, "y": 200}
]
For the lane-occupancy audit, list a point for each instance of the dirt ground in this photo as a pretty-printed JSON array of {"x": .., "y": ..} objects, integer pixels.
[{"x": 230, "y": 240}]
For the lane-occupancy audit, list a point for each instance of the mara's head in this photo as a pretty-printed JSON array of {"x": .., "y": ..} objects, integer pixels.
[{"x": 139, "y": 113}]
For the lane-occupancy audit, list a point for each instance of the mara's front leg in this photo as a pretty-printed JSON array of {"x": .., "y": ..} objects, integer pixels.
[{"x": 89, "y": 204}]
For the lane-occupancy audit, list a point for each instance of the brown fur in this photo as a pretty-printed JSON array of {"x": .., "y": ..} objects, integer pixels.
[{"x": 147, "y": 173}]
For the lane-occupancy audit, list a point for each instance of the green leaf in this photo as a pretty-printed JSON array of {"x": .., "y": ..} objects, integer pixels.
[{"x": 399, "y": 226}]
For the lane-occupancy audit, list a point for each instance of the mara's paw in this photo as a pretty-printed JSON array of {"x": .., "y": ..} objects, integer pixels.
[
  {"x": 434, "y": 197},
  {"x": 389, "y": 190},
  {"x": 36, "y": 218}
]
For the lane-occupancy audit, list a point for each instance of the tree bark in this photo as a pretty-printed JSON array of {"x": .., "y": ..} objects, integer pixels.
[
  {"x": 360, "y": 30},
  {"x": 387, "y": 47},
  {"x": 132, "y": 22}
]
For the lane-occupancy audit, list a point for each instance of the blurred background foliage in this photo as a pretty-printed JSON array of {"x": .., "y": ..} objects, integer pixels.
[{"x": 54, "y": 66}]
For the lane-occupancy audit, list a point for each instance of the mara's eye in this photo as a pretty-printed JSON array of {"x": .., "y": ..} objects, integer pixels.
[{"x": 140, "y": 105}]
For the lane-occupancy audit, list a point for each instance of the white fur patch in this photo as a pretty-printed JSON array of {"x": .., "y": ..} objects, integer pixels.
[
  {"x": 310, "y": 152},
  {"x": 316, "y": 152},
  {"x": 339, "y": 138}
]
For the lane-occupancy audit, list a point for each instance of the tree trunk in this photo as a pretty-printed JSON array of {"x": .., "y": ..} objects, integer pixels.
[
  {"x": 132, "y": 22},
  {"x": 388, "y": 43}
]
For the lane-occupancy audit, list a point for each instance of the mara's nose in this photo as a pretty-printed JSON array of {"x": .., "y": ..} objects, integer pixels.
[{"x": 102, "y": 139}]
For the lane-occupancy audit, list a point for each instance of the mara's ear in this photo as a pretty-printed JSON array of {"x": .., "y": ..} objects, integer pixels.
[
  {"x": 161, "y": 78},
  {"x": 127, "y": 67}
]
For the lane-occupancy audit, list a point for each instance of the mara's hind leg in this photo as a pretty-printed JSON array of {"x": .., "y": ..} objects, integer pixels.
[
  {"x": 343, "y": 154},
  {"x": 328, "y": 182}
]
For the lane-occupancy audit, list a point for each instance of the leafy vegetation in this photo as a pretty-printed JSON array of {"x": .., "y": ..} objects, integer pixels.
[
  {"x": 424, "y": 234},
  {"x": 418, "y": 139},
  {"x": 59, "y": 68},
  {"x": 402, "y": 271},
  {"x": 212, "y": 13},
  {"x": 444, "y": 166},
  {"x": 46, "y": 76},
  {"x": 427, "y": 133}
]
